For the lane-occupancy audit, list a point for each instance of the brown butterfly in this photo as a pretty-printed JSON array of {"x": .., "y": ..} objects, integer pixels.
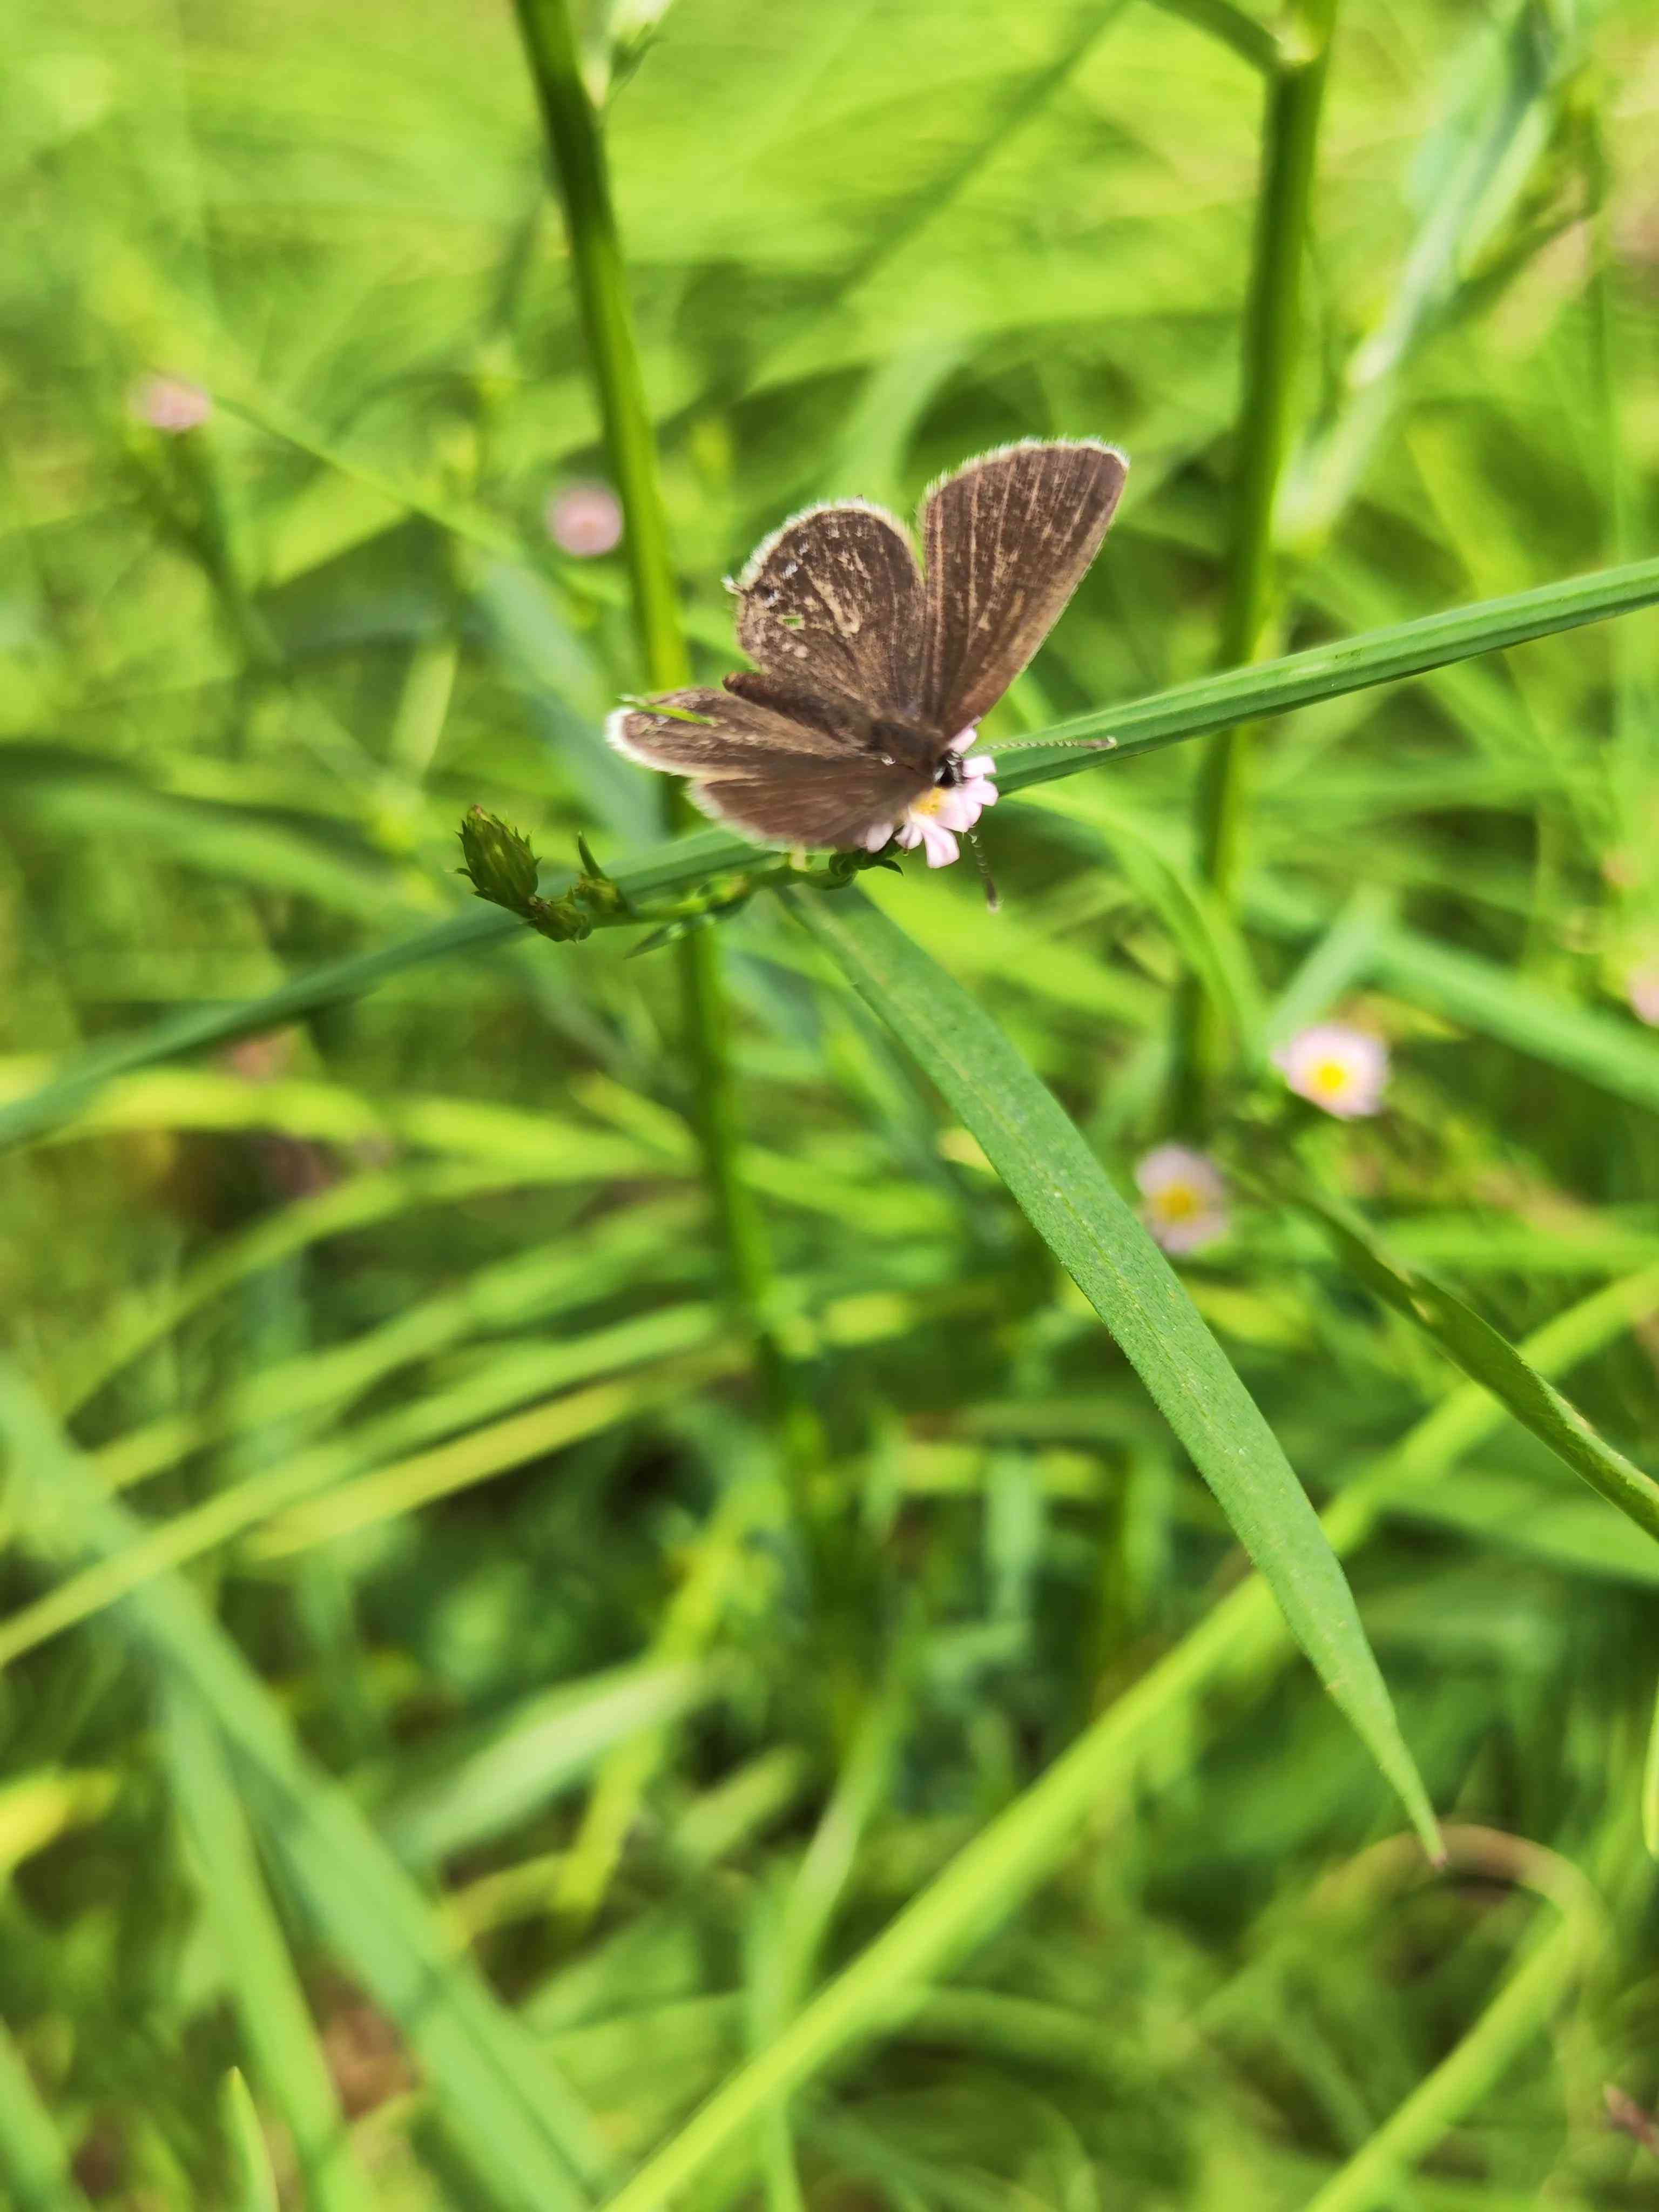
[{"x": 872, "y": 673}]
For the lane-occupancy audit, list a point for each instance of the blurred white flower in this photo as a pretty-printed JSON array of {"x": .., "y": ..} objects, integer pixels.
[
  {"x": 1643, "y": 991},
  {"x": 1342, "y": 1070},
  {"x": 170, "y": 403},
  {"x": 1186, "y": 1199},
  {"x": 936, "y": 819},
  {"x": 584, "y": 518}
]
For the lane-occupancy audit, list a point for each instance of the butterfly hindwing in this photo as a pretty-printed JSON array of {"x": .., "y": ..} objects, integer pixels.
[
  {"x": 1006, "y": 542},
  {"x": 782, "y": 780},
  {"x": 834, "y": 602},
  {"x": 706, "y": 732},
  {"x": 821, "y": 805}
]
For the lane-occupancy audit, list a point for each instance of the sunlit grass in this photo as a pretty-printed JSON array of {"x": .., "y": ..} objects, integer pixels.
[{"x": 430, "y": 1689}]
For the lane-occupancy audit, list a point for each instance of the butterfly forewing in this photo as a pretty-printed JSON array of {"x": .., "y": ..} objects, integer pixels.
[
  {"x": 834, "y": 602},
  {"x": 1006, "y": 543}
]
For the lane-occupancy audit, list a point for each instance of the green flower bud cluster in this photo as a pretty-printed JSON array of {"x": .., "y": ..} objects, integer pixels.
[
  {"x": 500, "y": 865},
  {"x": 498, "y": 862}
]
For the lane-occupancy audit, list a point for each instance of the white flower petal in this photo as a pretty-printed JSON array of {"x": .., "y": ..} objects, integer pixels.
[
  {"x": 1342, "y": 1071},
  {"x": 1178, "y": 1167}
]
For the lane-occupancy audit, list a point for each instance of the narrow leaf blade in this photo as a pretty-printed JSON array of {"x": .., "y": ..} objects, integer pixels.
[
  {"x": 527, "y": 2141},
  {"x": 1065, "y": 1194},
  {"x": 1487, "y": 1357}
]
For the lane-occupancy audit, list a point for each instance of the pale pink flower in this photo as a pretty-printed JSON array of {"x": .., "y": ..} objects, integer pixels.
[
  {"x": 1186, "y": 1199},
  {"x": 940, "y": 816},
  {"x": 1341, "y": 1070},
  {"x": 585, "y": 520},
  {"x": 1643, "y": 991},
  {"x": 170, "y": 403}
]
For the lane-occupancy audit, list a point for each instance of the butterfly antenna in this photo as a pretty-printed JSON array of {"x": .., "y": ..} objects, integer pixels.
[
  {"x": 1059, "y": 745},
  {"x": 993, "y": 898}
]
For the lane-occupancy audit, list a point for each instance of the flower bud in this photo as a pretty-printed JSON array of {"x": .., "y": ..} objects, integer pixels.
[
  {"x": 498, "y": 860},
  {"x": 564, "y": 919}
]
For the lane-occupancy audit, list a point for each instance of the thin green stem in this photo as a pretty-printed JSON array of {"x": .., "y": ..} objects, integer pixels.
[
  {"x": 578, "y": 153},
  {"x": 1251, "y": 41},
  {"x": 1378, "y": 2171},
  {"x": 1295, "y": 92}
]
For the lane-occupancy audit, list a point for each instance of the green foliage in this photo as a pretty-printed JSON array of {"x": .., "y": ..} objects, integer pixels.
[{"x": 521, "y": 1689}]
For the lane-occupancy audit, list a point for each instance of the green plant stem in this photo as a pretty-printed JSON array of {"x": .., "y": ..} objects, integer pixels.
[
  {"x": 578, "y": 153},
  {"x": 572, "y": 137},
  {"x": 1378, "y": 2171},
  {"x": 1295, "y": 92}
]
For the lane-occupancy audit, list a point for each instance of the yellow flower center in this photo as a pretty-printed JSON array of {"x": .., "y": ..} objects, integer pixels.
[
  {"x": 1330, "y": 1076},
  {"x": 930, "y": 802},
  {"x": 1177, "y": 1201}
]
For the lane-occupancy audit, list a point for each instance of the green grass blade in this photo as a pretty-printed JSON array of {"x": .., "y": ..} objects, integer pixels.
[
  {"x": 1604, "y": 1049},
  {"x": 145, "y": 1550},
  {"x": 1487, "y": 1358},
  {"x": 1377, "y": 2173},
  {"x": 33, "y": 2163},
  {"x": 714, "y": 1567},
  {"x": 540, "y": 1748},
  {"x": 1342, "y": 956},
  {"x": 883, "y": 1984},
  {"x": 257, "y": 2189},
  {"x": 1364, "y": 943},
  {"x": 1188, "y": 710},
  {"x": 198, "y": 1027},
  {"x": 1063, "y": 1191},
  {"x": 527, "y": 2140},
  {"x": 265, "y": 1987},
  {"x": 1327, "y": 671}
]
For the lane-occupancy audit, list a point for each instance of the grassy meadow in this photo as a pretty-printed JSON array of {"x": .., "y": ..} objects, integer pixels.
[{"x": 629, "y": 1579}]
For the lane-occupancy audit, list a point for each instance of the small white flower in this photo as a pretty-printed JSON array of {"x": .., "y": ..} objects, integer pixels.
[
  {"x": 936, "y": 819},
  {"x": 1643, "y": 991},
  {"x": 1186, "y": 1199},
  {"x": 1341, "y": 1070},
  {"x": 170, "y": 403},
  {"x": 584, "y": 519}
]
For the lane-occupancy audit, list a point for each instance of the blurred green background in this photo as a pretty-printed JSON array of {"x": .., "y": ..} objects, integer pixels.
[{"x": 402, "y": 1327}]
